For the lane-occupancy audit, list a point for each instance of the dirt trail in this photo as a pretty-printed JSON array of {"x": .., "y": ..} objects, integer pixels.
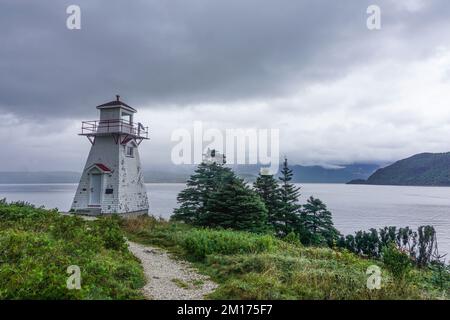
[{"x": 170, "y": 279}]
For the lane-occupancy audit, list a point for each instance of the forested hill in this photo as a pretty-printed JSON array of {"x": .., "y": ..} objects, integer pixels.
[{"x": 424, "y": 169}]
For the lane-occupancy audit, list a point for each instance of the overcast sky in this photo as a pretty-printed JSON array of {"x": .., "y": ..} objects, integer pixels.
[{"x": 338, "y": 92}]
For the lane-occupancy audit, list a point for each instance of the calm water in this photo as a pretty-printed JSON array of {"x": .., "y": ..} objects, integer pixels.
[{"x": 354, "y": 207}]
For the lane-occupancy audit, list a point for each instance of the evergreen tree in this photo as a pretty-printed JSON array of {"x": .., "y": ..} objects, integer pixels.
[
  {"x": 234, "y": 205},
  {"x": 289, "y": 207},
  {"x": 317, "y": 224},
  {"x": 268, "y": 189},
  {"x": 206, "y": 179},
  {"x": 216, "y": 197}
]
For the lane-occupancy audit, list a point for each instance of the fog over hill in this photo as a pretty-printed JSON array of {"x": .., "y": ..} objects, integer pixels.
[{"x": 179, "y": 174}]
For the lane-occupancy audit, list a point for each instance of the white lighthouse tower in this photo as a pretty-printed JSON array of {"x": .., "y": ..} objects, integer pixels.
[{"x": 112, "y": 179}]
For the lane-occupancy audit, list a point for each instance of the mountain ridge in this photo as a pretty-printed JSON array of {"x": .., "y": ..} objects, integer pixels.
[{"x": 422, "y": 169}]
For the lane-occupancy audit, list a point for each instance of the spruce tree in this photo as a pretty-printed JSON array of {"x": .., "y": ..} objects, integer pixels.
[
  {"x": 317, "y": 224},
  {"x": 216, "y": 197},
  {"x": 206, "y": 179},
  {"x": 289, "y": 207},
  {"x": 268, "y": 189},
  {"x": 234, "y": 205}
]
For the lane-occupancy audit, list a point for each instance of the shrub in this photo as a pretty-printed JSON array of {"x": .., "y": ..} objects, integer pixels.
[
  {"x": 421, "y": 246},
  {"x": 292, "y": 238},
  {"x": 22, "y": 212},
  {"x": 111, "y": 234},
  {"x": 439, "y": 276},
  {"x": 396, "y": 261},
  {"x": 37, "y": 246},
  {"x": 202, "y": 242}
]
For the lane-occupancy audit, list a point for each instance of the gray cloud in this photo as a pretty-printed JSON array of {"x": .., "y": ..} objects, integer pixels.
[
  {"x": 293, "y": 57},
  {"x": 182, "y": 52}
]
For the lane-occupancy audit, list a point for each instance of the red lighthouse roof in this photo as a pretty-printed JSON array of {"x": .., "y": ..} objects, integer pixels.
[{"x": 102, "y": 167}]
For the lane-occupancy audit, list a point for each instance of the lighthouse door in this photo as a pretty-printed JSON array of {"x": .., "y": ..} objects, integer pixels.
[{"x": 96, "y": 186}]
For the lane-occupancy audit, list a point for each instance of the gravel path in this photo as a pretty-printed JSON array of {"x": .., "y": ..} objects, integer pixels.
[{"x": 170, "y": 279}]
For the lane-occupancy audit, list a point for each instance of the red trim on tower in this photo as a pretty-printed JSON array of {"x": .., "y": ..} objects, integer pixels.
[{"x": 102, "y": 167}]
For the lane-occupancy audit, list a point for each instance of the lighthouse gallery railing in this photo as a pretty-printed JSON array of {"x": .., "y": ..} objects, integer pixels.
[{"x": 113, "y": 126}]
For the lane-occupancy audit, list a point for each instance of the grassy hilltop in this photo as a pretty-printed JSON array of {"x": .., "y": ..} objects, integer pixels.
[
  {"x": 37, "y": 246},
  {"x": 251, "y": 266}
]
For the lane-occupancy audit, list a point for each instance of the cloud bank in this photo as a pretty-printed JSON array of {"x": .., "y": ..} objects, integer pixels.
[{"x": 338, "y": 92}]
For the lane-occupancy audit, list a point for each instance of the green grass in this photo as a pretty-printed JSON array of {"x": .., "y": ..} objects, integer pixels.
[
  {"x": 197, "y": 283},
  {"x": 180, "y": 283},
  {"x": 37, "y": 246},
  {"x": 201, "y": 243},
  {"x": 251, "y": 266}
]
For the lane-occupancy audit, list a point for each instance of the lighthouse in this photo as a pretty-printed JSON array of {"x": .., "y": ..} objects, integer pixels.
[{"x": 112, "y": 180}]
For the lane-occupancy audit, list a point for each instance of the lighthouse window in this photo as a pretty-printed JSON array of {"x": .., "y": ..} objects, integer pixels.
[
  {"x": 126, "y": 117},
  {"x": 130, "y": 152}
]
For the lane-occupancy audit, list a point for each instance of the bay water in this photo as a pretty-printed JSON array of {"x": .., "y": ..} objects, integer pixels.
[{"x": 354, "y": 207}]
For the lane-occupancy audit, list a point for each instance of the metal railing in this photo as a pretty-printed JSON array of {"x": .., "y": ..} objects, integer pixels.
[{"x": 113, "y": 126}]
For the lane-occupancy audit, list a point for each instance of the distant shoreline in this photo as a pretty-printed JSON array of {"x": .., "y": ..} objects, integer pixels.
[
  {"x": 180, "y": 174},
  {"x": 184, "y": 182},
  {"x": 396, "y": 185}
]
